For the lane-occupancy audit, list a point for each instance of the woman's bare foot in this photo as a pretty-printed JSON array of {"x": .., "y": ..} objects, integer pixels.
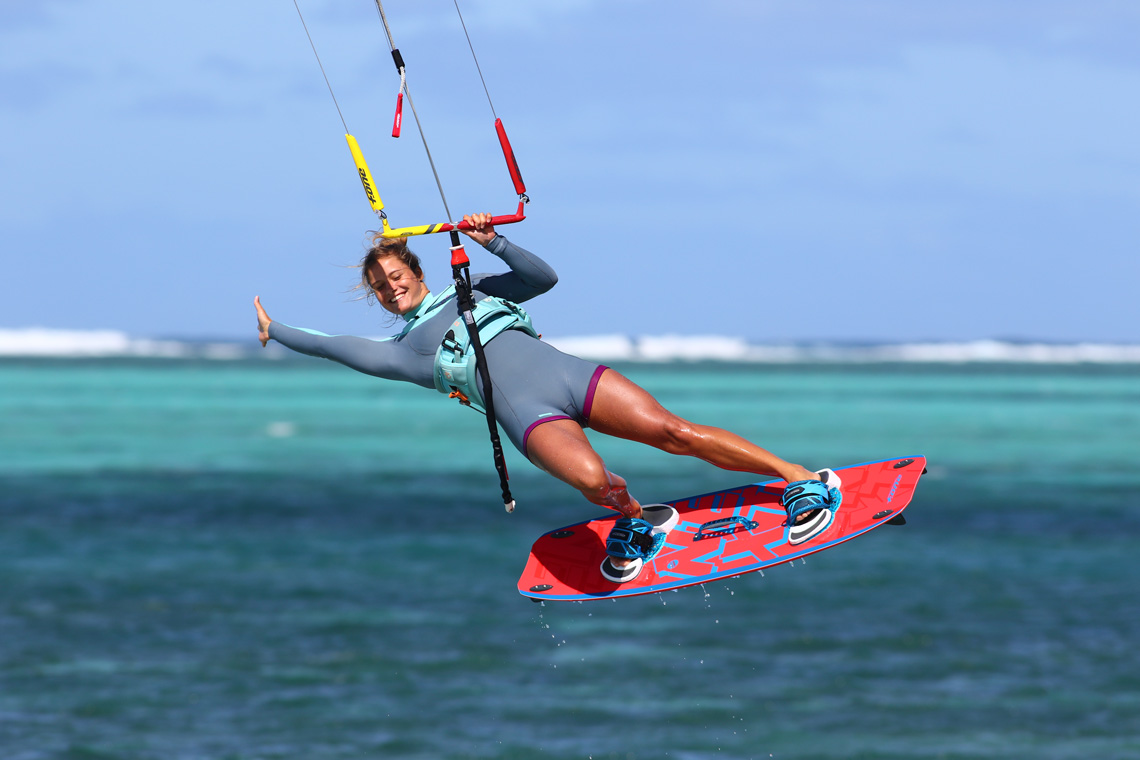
[
  {"x": 631, "y": 509},
  {"x": 798, "y": 472}
]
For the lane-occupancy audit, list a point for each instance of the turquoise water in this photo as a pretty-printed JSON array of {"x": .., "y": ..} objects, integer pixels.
[{"x": 257, "y": 559}]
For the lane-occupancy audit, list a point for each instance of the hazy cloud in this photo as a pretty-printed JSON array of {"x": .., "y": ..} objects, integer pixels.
[{"x": 30, "y": 87}]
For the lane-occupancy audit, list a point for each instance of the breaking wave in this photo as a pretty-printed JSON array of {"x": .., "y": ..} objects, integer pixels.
[{"x": 43, "y": 342}]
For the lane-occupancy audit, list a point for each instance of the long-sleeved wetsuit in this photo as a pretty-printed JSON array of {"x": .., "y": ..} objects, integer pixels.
[{"x": 533, "y": 382}]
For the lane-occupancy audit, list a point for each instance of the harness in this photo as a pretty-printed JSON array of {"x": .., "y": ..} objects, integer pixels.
[{"x": 455, "y": 372}]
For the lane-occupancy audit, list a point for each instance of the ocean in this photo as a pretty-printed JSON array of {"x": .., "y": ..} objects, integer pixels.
[{"x": 243, "y": 559}]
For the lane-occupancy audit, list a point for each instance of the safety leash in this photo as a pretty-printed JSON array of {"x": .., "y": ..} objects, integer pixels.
[{"x": 461, "y": 276}]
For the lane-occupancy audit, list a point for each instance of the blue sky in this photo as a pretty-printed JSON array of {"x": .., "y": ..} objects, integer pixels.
[{"x": 775, "y": 170}]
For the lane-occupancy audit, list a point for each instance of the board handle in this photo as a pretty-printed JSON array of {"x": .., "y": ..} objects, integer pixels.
[{"x": 724, "y": 526}]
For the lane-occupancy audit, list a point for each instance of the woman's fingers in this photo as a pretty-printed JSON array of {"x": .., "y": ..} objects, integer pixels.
[
  {"x": 482, "y": 231},
  {"x": 262, "y": 322}
]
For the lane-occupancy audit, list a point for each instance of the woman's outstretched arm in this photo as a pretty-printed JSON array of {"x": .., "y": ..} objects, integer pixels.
[{"x": 379, "y": 358}]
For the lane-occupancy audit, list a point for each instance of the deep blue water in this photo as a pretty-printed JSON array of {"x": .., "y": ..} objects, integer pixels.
[{"x": 255, "y": 559}]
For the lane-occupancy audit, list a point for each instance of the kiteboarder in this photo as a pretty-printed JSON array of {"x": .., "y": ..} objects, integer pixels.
[{"x": 544, "y": 398}]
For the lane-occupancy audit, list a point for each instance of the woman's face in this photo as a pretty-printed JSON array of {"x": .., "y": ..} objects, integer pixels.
[{"x": 396, "y": 286}]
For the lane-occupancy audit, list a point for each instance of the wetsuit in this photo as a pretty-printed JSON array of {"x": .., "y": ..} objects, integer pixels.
[{"x": 532, "y": 381}]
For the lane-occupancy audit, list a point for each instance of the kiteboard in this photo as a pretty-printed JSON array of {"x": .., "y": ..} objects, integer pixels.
[{"x": 719, "y": 535}]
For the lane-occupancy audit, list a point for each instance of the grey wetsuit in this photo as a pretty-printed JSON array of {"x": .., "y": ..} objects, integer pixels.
[{"x": 532, "y": 381}]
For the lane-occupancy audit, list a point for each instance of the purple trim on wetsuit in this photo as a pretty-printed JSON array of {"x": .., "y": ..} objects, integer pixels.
[
  {"x": 535, "y": 424},
  {"x": 589, "y": 402},
  {"x": 590, "y": 391}
]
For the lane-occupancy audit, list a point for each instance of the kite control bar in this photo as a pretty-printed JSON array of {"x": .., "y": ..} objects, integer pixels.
[
  {"x": 370, "y": 186},
  {"x": 428, "y": 229},
  {"x": 362, "y": 167}
]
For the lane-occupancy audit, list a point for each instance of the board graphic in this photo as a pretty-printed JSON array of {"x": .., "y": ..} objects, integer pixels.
[{"x": 720, "y": 535}]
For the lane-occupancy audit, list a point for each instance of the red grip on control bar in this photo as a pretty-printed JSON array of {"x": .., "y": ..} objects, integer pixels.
[{"x": 509, "y": 154}]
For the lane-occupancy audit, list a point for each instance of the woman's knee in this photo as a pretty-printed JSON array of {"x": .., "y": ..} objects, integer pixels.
[
  {"x": 590, "y": 476},
  {"x": 593, "y": 480},
  {"x": 611, "y": 491},
  {"x": 676, "y": 435}
]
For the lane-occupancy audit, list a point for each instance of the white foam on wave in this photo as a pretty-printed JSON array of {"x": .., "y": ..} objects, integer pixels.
[
  {"x": 37, "y": 341},
  {"x": 43, "y": 342},
  {"x": 721, "y": 348},
  {"x": 1000, "y": 351}
]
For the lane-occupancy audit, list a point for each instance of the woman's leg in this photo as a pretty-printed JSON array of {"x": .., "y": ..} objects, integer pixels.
[
  {"x": 560, "y": 448},
  {"x": 623, "y": 409}
]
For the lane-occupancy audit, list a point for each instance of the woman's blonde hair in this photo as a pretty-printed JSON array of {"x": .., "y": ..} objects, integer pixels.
[{"x": 383, "y": 248}]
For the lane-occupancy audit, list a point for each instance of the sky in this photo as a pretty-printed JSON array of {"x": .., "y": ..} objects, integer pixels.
[{"x": 777, "y": 170}]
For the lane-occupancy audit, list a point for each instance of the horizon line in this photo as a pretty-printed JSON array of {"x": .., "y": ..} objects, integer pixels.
[{"x": 50, "y": 342}]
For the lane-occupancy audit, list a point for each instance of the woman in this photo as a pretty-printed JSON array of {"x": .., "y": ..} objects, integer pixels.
[{"x": 543, "y": 397}]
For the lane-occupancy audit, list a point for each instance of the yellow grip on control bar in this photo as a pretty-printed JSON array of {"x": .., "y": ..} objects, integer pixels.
[{"x": 365, "y": 175}]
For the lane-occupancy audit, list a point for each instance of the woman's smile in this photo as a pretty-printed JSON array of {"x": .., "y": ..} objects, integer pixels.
[{"x": 396, "y": 286}]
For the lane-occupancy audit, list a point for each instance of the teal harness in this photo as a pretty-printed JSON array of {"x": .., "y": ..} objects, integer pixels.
[{"x": 455, "y": 372}]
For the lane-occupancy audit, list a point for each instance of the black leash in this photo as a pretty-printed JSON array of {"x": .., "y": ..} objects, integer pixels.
[{"x": 461, "y": 276}]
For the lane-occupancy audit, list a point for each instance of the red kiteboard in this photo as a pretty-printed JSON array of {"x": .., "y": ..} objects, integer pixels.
[{"x": 719, "y": 535}]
